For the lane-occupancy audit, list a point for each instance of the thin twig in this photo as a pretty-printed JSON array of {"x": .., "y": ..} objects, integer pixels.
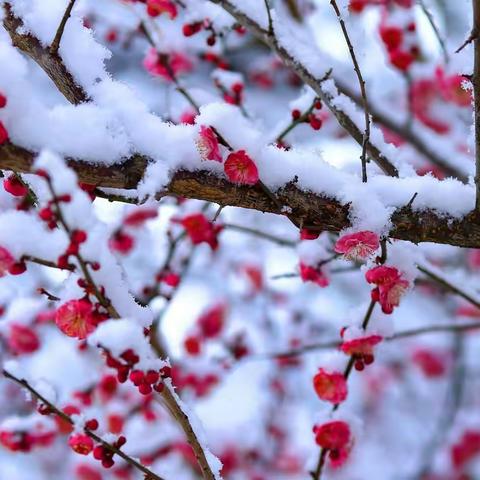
[
  {"x": 24, "y": 384},
  {"x": 449, "y": 286},
  {"x": 474, "y": 33},
  {"x": 45, "y": 263},
  {"x": 270, "y": 20},
  {"x": 435, "y": 29},
  {"x": 346, "y": 374},
  {"x": 330, "y": 344},
  {"x": 164, "y": 60},
  {"x": 412, "y": 136},
  {"x": 83, "y": 264},
  {"x": 61, "y": 28},
  {"x": 294, "y": 123},
  {"x": 167, "y": 395},
  {"x": 267, "y": 236},
  {"x": 363, "y": 90},
  {"x": 452, "y": 403}
]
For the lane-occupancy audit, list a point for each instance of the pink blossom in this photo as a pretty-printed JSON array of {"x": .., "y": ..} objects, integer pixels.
[
  {"x": 81, "y": 443},
  {"x": 139, "y": 216},
  {"x": 121, "y": 242},
  {"x": 207, "y": 145},
  {"x": 75, "y": 318},
  {"x": 390, "y": 286},
  {"x": 389, "y": 295},
  {"x": 330, "y": 386},
  {"x": 306, "y": 234},
  {"x": 241, "y": 169},
  {"x": 313, "y": 274},
  {"x": 211, "y": 322},
  {"x": 200, "y": 229},
  {"x": 359, "y": 245},
  {"x": 431, "y": 363},
  {"x": 188, "y": 117},
  {"x": 6, "y": 261},
  {"x": 333, "y": 435},
  {"x": 361, "y": 346},
  {"x": 424, "y": 96},
  {"x": 22, "y": 339},
  {"x": 382, "y": 275},
  {"x": 3, "y": 134},
  {"x": 452, "y": 88}
]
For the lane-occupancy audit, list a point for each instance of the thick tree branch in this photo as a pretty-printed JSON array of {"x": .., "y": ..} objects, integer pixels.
[
  {"x": 320, "y": 212},
  {"x": 323, "y": 213}
]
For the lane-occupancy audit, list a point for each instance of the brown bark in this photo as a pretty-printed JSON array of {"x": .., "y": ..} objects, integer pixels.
[
  {"x": 310, "y": 209},
  {"x": 50, "y": 62}
]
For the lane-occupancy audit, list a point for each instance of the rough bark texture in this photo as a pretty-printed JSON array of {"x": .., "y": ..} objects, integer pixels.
[
  {"x": 310, "y": 209},
  {"x": 51, "y": 63}
]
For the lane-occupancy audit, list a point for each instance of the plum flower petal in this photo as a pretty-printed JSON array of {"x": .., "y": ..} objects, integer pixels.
[
  {"x": 313, "y": 274},
  {"x": 241, "y": 169},
  {"x": 330, "y": 386},
  {"x": 6, "y": 261},
  {"x": 75, "y": 318},
  {"x": 359, "y": 245},
  {"x": 207, "y": 145},
  {"x": 390, "y": 286},
  {"x": 333, "y": 435},
  {"x": 361, "y": 346}
]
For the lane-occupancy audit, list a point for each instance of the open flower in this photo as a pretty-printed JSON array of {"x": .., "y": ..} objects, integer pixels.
[
  {"x": 330, "y": 386},
  {"x": 390, "y": 286},
  {"x": 75, "y": 318},
  {"x": 81, "y": 444},
  {"x": 333, "y": 435},
  {"x": 359, "y": 245},
  {"x": 207, "y": 145},
  {"x": 241, "y": 169}
]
